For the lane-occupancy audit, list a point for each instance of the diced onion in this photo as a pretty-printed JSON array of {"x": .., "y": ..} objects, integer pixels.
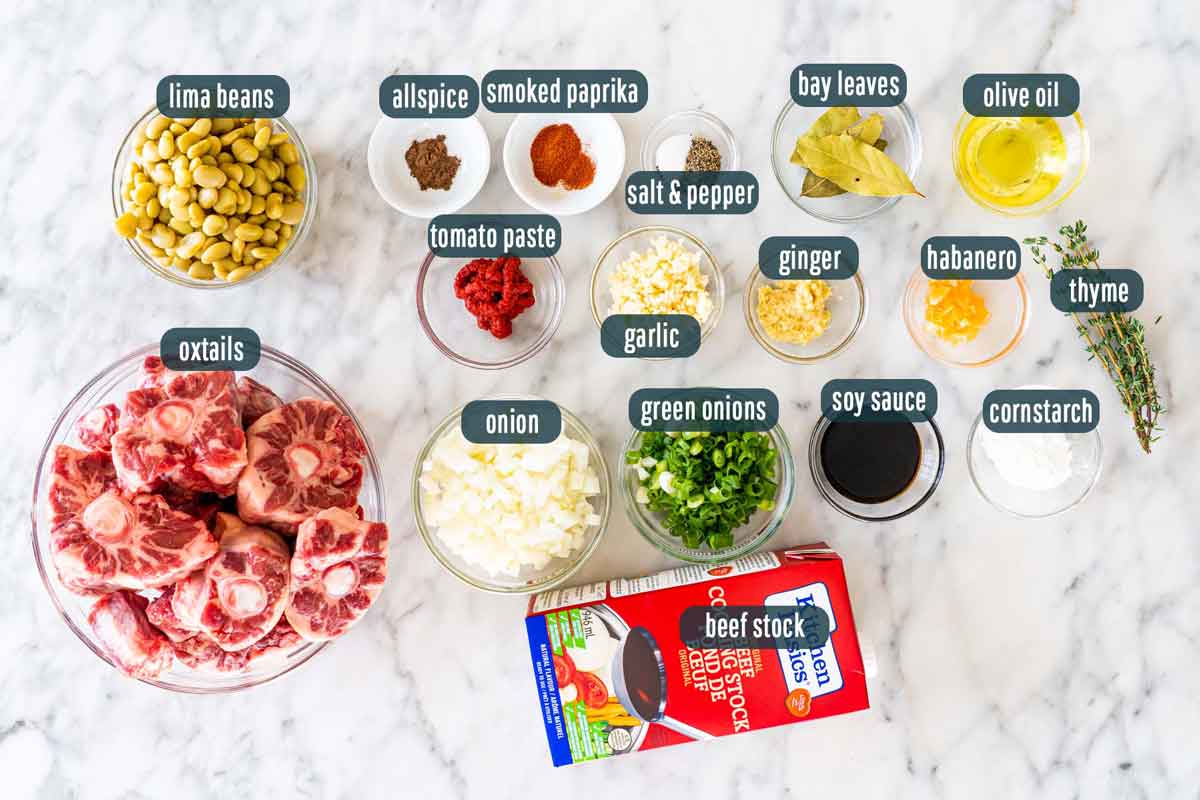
[{"x": 505, "y": 507}]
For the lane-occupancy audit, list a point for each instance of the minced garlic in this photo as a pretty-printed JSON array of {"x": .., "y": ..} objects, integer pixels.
[
  {"x": 664, "y": 279},
  {"x": 794, "y": 311}
]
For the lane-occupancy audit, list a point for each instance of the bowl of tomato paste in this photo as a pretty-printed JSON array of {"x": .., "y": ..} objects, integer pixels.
[{"x": 490, "y": 313}]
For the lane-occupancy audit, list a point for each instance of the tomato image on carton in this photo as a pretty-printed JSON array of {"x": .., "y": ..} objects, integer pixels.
[{"x": 614, "y": 675}]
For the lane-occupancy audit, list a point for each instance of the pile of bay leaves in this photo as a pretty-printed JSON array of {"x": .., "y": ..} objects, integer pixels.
[{"x": 844, "y": 152}]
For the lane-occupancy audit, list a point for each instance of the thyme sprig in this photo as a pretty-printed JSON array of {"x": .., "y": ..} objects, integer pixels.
[{"x": 1116, "y": 339}]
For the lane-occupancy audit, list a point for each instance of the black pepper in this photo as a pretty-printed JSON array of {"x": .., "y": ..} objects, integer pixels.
[{"x": 703, "y": 156}]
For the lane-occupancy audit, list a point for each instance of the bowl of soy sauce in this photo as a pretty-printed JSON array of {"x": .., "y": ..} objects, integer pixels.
[{"x": 876, "y": 471}]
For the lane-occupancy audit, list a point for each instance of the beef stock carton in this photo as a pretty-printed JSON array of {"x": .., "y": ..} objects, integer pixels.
[{"x": 617, "y": 670}]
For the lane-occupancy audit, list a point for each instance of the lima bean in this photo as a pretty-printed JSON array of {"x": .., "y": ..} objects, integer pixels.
[
  {"x": 215, "y": 252},
  {"x": 209, "y": 177},
  {"x": 248, "y": 232},
  {"x": 126, "y": 225}
]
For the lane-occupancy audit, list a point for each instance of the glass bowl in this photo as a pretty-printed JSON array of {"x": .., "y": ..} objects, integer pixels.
[
  {"x": 291, "y": 380},
  {"x": 309, "y": 196},
  {"x": 847, "y": 305},
  {"x": 639, "y": 239},
  {"x": 746, "y": 539},
  {"x": 454, "y": 331},
  {"x": 922, "y": 487},
  {"x": 1007, "y": 301},
  {"x": 1078, "y": 155},
  {"x": 904, "y": 147},
  {"x": 529, "y": 580},
  {"x": 1087, "y": 457},
  {"x": 693, "y": 123}
]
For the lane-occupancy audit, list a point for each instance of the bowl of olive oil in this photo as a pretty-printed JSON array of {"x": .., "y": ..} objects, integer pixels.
[{"x": 1020, "y": 166}]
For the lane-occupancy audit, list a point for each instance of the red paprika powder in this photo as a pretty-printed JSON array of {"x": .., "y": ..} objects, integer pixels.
[
  {"x": 495, "y": 292},
  {"x": 558, "y": 158}
]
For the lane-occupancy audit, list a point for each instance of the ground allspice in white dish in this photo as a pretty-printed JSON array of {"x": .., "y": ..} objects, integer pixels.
[
  {"x": 1036, "y": 461},
  {"x": 504, "y": 507},
  {"x": 431, "y": 164}
]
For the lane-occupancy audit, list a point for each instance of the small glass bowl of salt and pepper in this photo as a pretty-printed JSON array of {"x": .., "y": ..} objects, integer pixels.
[{"x": 692, "y": 140}]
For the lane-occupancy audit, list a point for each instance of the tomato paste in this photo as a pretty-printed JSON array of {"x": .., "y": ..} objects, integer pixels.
[
  {"x": 495, "y": 291},
  {"x": 615, "y": 676}
]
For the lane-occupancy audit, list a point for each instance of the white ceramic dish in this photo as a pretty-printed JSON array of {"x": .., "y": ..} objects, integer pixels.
[
  {"x": 602, "y": 140},
  {"x": 465, "y": 138}
]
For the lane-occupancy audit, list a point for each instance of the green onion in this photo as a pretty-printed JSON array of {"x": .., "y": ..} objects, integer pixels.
[{"x": 719, "y": 481}]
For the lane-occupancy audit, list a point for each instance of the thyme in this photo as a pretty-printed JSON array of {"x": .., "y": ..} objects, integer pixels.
[{"x": 1116, "y": 339}]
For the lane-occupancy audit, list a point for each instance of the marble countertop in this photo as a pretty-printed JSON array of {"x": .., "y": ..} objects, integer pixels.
[{"x": 1017, "y": 658}]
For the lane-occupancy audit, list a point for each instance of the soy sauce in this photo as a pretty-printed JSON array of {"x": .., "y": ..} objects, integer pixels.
[{"x": 870, "y": 462}]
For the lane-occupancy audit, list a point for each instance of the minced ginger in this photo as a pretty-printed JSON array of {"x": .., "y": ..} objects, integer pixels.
[{"x": 794, "y": 311}]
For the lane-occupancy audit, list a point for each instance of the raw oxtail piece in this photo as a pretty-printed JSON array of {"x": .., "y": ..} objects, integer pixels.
[
  {"x": 305, "y": 457},
  {"x": 201, "y": 652},
  {"x": 155, "y": 372},
  {"x": 337, "y": 572},
  {"x": 247, "y": 587},
  {"x": 161, "y": 613},
  {"x": 188, "y": 599},
  {"x": 132, "y": 644},
  {"x": 96, "y": 428},
  {"x": 176, "y": 612},
  {"x": 185, "y": 430},
  {"x": 281, "y": 638},
  {"x": 77, "y": 477},
  {"x": 200, "y": 505},
  {"x": 255, "y": 400},
  {"x": 102, "y": 540}
]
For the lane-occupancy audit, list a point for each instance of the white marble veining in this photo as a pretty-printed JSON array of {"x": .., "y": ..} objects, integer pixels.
[{"x": 1017, "y": 659}]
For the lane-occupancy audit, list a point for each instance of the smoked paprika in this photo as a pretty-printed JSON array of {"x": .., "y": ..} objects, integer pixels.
[
  {"x": 558, "y": 158},
  {"x": 495, "y": 292}
]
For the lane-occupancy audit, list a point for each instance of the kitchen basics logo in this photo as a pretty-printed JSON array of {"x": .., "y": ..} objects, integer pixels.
[{"x": 814, "y": 670}]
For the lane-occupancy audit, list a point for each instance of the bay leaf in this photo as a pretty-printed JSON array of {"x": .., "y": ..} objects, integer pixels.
[
  {"x": 868, "y": 130},
  {"x": 835, "y": 120},
  {"x": 816, "y": 186},
  {"x": 855, "y": 166}
]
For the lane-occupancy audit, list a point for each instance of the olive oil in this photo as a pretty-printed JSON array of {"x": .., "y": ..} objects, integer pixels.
[
  {"x": 1012, "y": 161},
  {"x": 870, "y": 462}
]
